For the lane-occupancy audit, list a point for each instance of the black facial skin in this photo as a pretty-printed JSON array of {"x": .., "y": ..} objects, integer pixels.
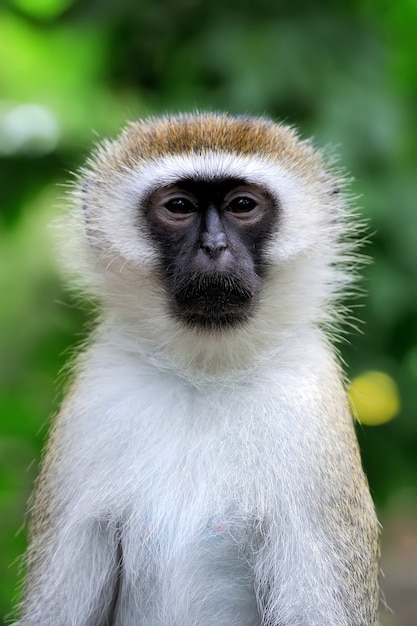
[{"x": 211, "y": 236}]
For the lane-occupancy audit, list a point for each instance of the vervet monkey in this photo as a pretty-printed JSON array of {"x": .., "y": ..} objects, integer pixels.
[{"x": 204, "y": 469}]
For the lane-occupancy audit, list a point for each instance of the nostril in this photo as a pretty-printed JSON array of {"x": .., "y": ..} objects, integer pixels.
[{"x": 213, "y": 246}]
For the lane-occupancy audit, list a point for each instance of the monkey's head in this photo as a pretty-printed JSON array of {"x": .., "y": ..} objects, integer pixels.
[{"x": 225, "y": 220}]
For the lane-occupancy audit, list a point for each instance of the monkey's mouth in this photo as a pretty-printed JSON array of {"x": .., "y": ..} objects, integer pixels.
[{"x": 214, "y": 301}]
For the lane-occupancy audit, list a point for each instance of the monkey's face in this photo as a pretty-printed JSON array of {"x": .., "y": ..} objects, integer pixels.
[
  {"x": 213, "y": 222},
  {"x": 210, "y": 236}
]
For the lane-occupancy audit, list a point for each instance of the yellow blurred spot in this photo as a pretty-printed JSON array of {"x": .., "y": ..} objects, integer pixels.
[{"x": 374, "y": 398}]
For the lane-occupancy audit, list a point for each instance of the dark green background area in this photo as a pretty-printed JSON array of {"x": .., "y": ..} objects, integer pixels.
[{"x": 74, "y": 71}]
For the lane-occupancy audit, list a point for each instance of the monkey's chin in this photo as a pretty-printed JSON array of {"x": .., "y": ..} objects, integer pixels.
[
  {"x": 214, "y": 302},
  {"x": 208, "y": 321}
]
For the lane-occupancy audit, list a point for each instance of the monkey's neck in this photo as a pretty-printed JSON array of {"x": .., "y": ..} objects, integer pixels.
[{"x": 210, "y": 356}]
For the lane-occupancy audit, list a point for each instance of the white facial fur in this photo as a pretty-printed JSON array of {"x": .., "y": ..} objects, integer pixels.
[{"x": 310, "y": 256}]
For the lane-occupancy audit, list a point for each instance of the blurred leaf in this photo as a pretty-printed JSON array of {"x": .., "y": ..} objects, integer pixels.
[{"x": 42, "y": 9}]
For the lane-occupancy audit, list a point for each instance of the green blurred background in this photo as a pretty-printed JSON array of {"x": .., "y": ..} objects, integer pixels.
[{"x": 73, "y": 71}]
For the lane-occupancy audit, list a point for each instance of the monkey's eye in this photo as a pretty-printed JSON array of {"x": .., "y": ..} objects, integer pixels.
[
  {"x": 241, "y": 204},
  {"x": 180, "y": 206}
]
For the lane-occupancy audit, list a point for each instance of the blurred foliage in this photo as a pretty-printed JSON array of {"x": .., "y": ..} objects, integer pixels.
[{"x": 72, "y": 71}]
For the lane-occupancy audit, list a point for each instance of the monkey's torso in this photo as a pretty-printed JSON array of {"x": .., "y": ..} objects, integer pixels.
[{"x": 186, "y": 509}]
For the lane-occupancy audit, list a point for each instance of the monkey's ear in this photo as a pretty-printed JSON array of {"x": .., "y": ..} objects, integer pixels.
[
  {"x": 333, "y": 185},
  {"x": 85, "y": 201},
  {"x": 84, "y": 189}
]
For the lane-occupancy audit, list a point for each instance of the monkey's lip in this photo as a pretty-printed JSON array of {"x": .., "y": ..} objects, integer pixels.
[{"x": 214, "y": 300}]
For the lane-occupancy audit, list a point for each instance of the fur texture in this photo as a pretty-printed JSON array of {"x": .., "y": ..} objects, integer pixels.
[{"x": 198, "y": 478}]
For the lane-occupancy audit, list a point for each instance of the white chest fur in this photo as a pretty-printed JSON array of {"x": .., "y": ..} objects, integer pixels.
[
  {"x": 179, "y": 480},
  {"x": 197, "y": 487}
]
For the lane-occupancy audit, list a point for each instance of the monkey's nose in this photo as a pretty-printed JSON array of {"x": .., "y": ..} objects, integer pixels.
[{"x": 214, "y": 244}]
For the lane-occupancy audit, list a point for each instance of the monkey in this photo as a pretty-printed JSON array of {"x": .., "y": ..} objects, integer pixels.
[{"x": 203, "y": 469}]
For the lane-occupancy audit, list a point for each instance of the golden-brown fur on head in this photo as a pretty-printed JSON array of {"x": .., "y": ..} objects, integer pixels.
[{"x": 211, "y": 132}]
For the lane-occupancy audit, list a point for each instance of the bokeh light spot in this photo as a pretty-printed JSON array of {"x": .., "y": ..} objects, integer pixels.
[
  {"x": 374, "y": 398},
  {"x": 28, "y": 128}
]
